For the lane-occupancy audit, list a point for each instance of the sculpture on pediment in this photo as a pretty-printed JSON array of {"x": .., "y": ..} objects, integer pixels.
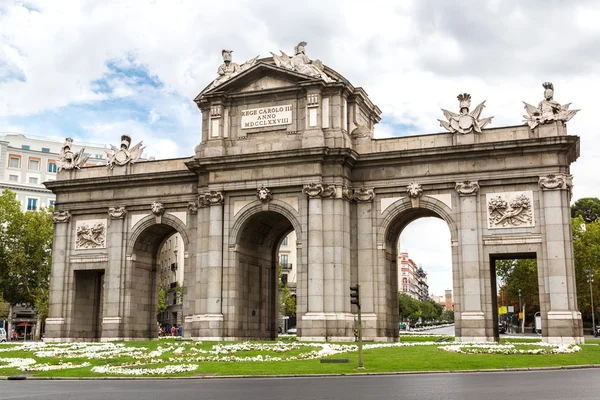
[
  {"x": 465, "y": 122},
  {"x": 229, "y": 69},
  {"x": 124, "y": 155},
  {"x": 301, "y": 63},
  {"x": 548, "y": 109},
  {"x": 91, "y": 236},
  {"x": 70, "y": 160}
]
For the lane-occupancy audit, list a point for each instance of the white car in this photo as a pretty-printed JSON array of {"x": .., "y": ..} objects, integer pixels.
[{"x": 2, "y": 335}]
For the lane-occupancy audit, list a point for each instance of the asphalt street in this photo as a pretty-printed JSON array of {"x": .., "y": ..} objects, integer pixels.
[{"x": 547, "y": 385}]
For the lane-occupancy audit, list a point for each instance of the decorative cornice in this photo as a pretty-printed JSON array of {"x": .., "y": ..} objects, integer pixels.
[
  {"x": 117, "y": 212},
  {"x": 264, "y": 195},
  {"x": 414, "y": 190},
  {"x": 59, "y": 217},
  {"x": 157, "y": 208},
  {"x": 467, "y": 188},
  {"x": 363, "y": 195},
  {"x": 556, "y": 181}
]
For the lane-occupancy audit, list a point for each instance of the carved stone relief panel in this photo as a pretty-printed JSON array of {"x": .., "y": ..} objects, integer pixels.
[
  {"x": 90, "y": 234},
  {"x": 510, "y": 209}
]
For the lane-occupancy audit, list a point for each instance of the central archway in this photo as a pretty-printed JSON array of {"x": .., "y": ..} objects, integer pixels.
[
  {"x": 142, "y": 280},
  {"x": 395, "y": 219},
  {"x": 258, "y": 235}
]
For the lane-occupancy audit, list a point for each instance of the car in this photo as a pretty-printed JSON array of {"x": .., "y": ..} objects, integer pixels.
[
  {"x": 2, "y": 335},
  {"x": 291, "y": 331}
]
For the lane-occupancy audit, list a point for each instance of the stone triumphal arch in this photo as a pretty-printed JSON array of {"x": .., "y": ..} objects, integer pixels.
[{"x": 288, "y": 144}]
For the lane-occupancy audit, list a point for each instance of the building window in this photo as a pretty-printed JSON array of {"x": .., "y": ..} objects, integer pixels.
[
  {"x": 98, "y": 155},
  {"x": 34, "y": 164},
  {"x": 25, "y": 147},
  {"x": 283, "y": 259},
  {"x": 52, "y": 166},
  {"x": 285, "y": 241},
  {"x": 86, "y": 154},
  {"x": 31, "y": 204},
  {"x": 51, "y": 203},
  {"x": 45, "y": 150},
  {"x": 33, "y": 180},
  {"x": 14, "y": 161}
]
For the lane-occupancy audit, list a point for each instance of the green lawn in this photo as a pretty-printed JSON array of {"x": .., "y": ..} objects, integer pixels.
[{"x": 378, "y": 360}]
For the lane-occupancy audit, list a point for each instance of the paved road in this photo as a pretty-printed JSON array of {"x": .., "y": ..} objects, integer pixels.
[{"x": 581, "y": 384}]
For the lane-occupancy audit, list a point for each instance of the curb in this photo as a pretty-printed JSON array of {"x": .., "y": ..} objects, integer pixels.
[{"x": 464, "y": 371}]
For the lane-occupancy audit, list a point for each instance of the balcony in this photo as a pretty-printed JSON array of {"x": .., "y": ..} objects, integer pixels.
[{"x": 286, "y": 266}]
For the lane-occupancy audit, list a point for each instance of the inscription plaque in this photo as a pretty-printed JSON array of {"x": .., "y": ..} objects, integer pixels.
[{"x": 267, "y": 116}]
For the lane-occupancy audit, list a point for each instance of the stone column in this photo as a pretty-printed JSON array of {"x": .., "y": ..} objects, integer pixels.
[
  {"x": 56, "y": 321},
  {"x": 211, "y": 323},
  {"x": 471, "y": 313},
  {"x": 562, "y": 322},
  {"x": 313, "y": 322},
  {"x": 112, "y": 310},
  {"x": 366, "y": 261}
]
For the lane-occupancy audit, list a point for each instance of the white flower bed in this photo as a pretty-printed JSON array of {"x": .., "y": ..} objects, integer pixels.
[
  {"x": 16, "y": 362},
  {"x": 168, "y": 369},
  {"x": 509, "y": 348},
  {"x": 53, "y": 367}
]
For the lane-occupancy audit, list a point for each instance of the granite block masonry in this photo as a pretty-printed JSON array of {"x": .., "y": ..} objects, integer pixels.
[{"x": 288, "y": 143}]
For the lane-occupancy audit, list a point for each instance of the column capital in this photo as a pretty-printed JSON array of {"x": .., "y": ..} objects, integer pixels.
[
  {"x": 211, "y": 198},
  {"x": 467, "y": 188},
  {"x": 59, "y": 217},
  {"x": 364, "y": 195},
  {"x": 313, "y": 190},
  {"x": 117, "y": 212},
  {"x": 556, "y": 181}
]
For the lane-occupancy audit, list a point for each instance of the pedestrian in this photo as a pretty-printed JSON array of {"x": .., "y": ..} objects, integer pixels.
[
  {"x": 174, "y": 330},
  {"x": 180, "y": 331}
]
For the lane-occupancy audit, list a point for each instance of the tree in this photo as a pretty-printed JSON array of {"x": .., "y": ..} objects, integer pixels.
[
  {"x": 586, "y": 247},
  {"x": 408, "y": 308},
  {"x": 287, "y": 301},
  {"x": 520, "y": 275},
  {"x": 25, "y": 255},
  {"x": 588, "y": 208}
]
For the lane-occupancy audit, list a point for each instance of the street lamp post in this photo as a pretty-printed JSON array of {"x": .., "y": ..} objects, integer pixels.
[
  {"x": 590, "y": 279},
  {"x": 523, "y": 318}
]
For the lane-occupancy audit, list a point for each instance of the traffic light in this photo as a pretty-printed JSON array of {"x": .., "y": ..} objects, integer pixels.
[{"x": 355, "y": 295}]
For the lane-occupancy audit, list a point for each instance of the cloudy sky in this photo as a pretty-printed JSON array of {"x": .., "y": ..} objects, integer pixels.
[{"x": 96, "y": 70}]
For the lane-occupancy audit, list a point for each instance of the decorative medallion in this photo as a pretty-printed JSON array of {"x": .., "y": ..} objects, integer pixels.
[
  {"x": 157, "y": 208},
  {"x": 117, "y": 212},
  {"x": 414, "y": 190},
  {"x": 264, "y": 194},
  {"x": 59, "y": 217},
  {"x": 91, "y": 234},
  {"x": 548, "y": 110},
  {"x": 467, "y": 188},
  {"x": 510, "y": 209}
]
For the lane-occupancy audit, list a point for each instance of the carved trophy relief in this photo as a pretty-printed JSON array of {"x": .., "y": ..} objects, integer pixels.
[
  {"x": 301, "y": 63},
  {"x": 124, "y": 155},
  {"x": 510, "y": 209},
  {"x": 91, "y": 234}
]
